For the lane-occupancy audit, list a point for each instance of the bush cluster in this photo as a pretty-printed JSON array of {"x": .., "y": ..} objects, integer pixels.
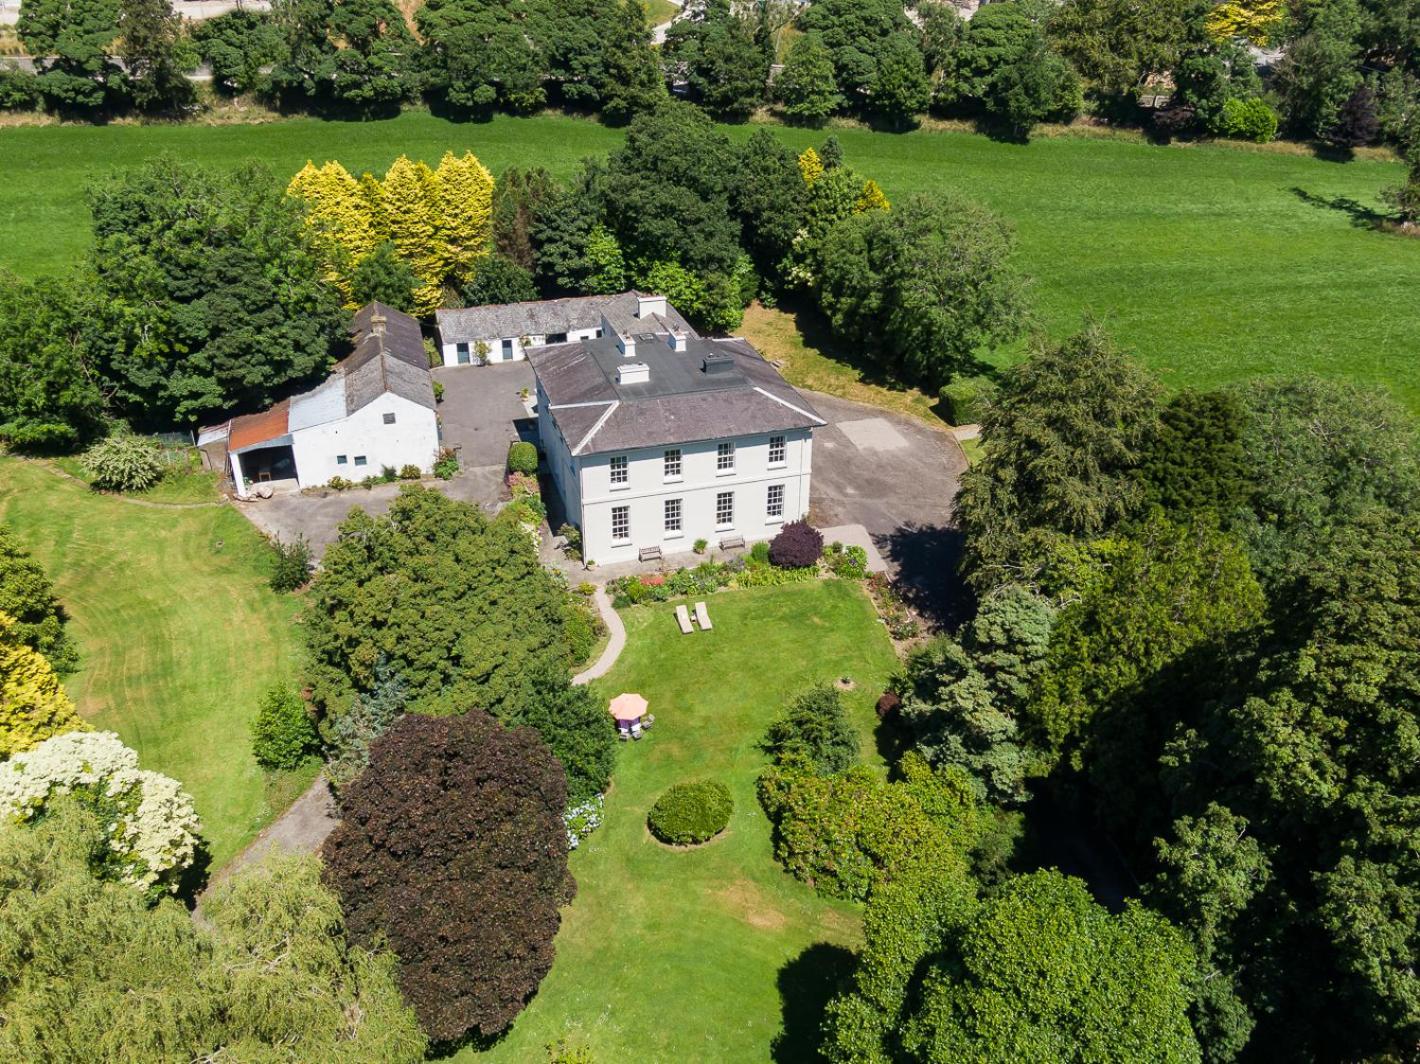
[
  {"x": 691, "y": 813},
  {"x": 292, "y": 566},
  {"x": 849, "y": 563},
  {"x": 706, "y": 578},
  {"x": 522, "y": 458},
  {"x": 814, "y": 733},
  {"x": 447, "y": 464},
  {"x": 797, "y": 546},
  {"x": 124, "y": 463},
  {"x": 282, "y": 733},
  {"x": 1247, "y": 120}
]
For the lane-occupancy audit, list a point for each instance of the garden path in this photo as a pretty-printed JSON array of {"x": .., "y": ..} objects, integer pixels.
[{"x": 614, "y": 648}]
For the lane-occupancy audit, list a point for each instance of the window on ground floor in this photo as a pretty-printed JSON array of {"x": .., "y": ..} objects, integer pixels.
[
  {"x": 360, "y": 459},
  {"x": 725, "y": 510},
  {"x": 673, "y": 526},
  {"x": 462, "y": 354},
  {"x": 342, "y": 459},
  {"x": 620, "y": 523},
  {"x": 775, "y": 504},
  {"x": 507, "y": 350}
]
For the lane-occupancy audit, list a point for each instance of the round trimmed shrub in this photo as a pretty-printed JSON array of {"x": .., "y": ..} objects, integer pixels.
[
  {"x": 691, "y": 813},
  {"x": 124, "y": 463},
  {"x": 522, "y": 458},
  {"x": 797, "y": 546}
]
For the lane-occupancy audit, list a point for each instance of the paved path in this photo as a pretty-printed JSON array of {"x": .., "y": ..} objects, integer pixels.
[
  {"x": 301, "y": 829},
  {"x": 614, "y": 648}
]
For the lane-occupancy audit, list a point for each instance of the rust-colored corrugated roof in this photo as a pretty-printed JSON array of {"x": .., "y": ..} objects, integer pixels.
[{"x": 253, "y": 429}]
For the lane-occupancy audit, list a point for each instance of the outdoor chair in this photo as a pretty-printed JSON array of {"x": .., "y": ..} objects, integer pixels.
[
  {"x": 682, "y": 616},
  {"x": 703, "y": 616}
]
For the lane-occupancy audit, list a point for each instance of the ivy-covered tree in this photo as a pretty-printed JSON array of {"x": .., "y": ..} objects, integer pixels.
[
  {"x": 77, "y": 73},
  {"x": 462, "y": 810},
  {"x": 52, "y": 397},
  {"x": 1067, "y": 434},
  {"x": 213, "y": 294}
]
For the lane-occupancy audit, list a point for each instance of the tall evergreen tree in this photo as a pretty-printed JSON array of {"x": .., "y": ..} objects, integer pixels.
[
  {"x": 806, "y": 89},
  {"x": 155, "y": 55},
  {"x": 73, "y": 38}
]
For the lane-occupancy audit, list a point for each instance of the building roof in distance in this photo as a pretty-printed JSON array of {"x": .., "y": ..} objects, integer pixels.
[{"x": 546, "y": 317}]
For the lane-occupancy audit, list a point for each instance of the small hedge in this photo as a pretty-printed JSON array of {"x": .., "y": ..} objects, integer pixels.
[
  {"x": 124, "y": 463},
  {"x": 691, "y": 813},
  {"x": 964, "y": 400},
  {"x": 522, "y": 458}
]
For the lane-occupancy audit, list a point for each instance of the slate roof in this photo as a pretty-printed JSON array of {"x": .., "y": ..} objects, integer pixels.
[
  {"x": 680, "y": 403},
  {"x": 545, "y": 317},
  {"x": 388, "y": 360}
]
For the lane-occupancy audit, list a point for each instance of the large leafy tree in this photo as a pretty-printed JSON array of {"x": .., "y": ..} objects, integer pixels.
[
  {"x": 715, "y": 50},
  {"x": 599, "y": 56},
  {"x": 213, "y": 295},
  {"x": 482, "y": 54},
  {"x": 1043, "y": 972},
  {"x": 1197, "y": 461},
  {"x": 355, "y": 54},
  {"x": 770, "y": 197},
  {"x": 519, "y": 197},
  {"x": 238, "y": 46},
  {"x": 77, "y": 73},
  {"x": 900, "y": 89},
  {"x": 1321, "y": 66},
  {"x": 806, "y": 88},
  {"x": 51, "y": 394},
  {"x": 856, "y": 33},
  {"x": 667, "y": 191},
  {"x": 1117, "y": 45},
  {"x": 926, "y": 285},
  {"x": 457, "y": 606},
  {"x": 1066, "y": 435},
  {"x": 461, "y": 810}
]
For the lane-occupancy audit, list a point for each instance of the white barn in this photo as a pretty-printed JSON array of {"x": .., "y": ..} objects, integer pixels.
[
  {"x": 656, "y": 437},
  {"x": 376, "y": 409}
]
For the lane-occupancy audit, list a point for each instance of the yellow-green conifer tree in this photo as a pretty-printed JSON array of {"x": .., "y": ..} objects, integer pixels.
[
  {"x": 409, "y": 202},
  {"x": 872, "y": 198},
  {"x": 33, "y": 705},
  {"x": 465, "y": 214},
  {"x": 339, "y": 216},
  {"x": 811, "y": 166}
]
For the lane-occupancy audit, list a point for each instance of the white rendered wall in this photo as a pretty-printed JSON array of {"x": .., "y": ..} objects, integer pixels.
[
  {"x": 557, "y": 460},
  {"x": 412, "y": 440},
  {"x": 700, "y": 482},
  {"x": 495, "y": 346}
]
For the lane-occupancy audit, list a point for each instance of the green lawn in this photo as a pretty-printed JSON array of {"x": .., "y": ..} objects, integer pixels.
[
  {"x": 676, "y": 954},
  {"x": 178, "y": 635},
  {"x": 1214, "y": 263}
]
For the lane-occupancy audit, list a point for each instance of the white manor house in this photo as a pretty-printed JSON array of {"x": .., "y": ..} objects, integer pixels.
[{"x": 657, "y": 437}]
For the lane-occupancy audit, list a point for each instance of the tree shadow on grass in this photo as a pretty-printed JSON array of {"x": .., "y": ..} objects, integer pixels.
[
  {"x": 818, "y": 335},
  {"x": 806, "y": 984},
  {"x": 1362, "y": 217}
]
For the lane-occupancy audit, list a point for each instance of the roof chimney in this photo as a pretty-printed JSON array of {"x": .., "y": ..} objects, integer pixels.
[
  {"x": 717, "y": 365},
  {"x": 377, "y": 323},
  {"x": 676, "y": 340},
  {"x": 633, "y": 373},
  {"x": 649, "y": 305}
]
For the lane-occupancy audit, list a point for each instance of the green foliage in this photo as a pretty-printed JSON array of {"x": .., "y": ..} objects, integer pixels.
[
  {"x": 1064, "y": 440},
  {"x": 806, "y": 89},
  {"x": 50, "y": 397},
  {"x": 156, "y": 56},
  {"x": 214, "y": 297},
  {"x": 237, "y": 45},
  {"x": 691, "y": 813},
  {"x": 1117, "y": 45},
  {"x": 292, "y": 566},
  {"x": 1320, "y": 68},
  {"x": 498, "y": 280},
  {"x": 925, "y": 286},
  {"x": 899, "y": 90},
  {"x": 447, "y": 464},
  {"x": 384, "y": 277},
  {"x": 849, "y": 563},
  {"x": 88, "y": 971},
  {"x": 705, "y": 579},
  {"x": 479, "y": 808},
  {"x": 1139, "y": 604},
  {"x": 282, "y": 733},
  {"x": 769, "y": 197},
  {"x": 1318, "y": 454},
  {"x": 27, "y": 596},
  {"x": 355, "y": 54},
  {"x": 75, "y": 36},
  {"x": 863, "y": 37},
  {"x": 522, "y": 458},
  {"x": 33, "y": 705},
  {"x": 964, "y": 697},
  {"x": 714, "y": 49},
  {"x": 1042, "y": 972},
  {"x": 965, "y": 399},
  {"x": 1197, "y": 461},
  {"x": 348, "y": 735},
  {"x": 124, "y": 463},
  {"x": 19, "y": 90},
  {"x": 814, "y": 733},
  {"x": 1250, "y": 119},
  {"x": 457, "y": 607}
]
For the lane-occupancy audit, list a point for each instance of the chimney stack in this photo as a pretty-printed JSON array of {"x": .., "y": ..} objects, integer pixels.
[{"x": 377, "y": 324}]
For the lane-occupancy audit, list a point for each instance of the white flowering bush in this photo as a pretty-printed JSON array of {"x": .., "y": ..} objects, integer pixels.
[
  {"x": 149, "y": 819},
  {"x": 582, "y": 820}
]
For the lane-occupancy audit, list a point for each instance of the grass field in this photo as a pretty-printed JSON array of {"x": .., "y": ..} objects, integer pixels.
[
  {"x": 677, "y": 954},
  {"x": 178, "y": 635},
  {"x": 1214, "y": 263}
]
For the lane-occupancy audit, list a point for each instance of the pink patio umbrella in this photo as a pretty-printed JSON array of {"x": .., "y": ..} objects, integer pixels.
[{"x": 627, "y": 708}]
